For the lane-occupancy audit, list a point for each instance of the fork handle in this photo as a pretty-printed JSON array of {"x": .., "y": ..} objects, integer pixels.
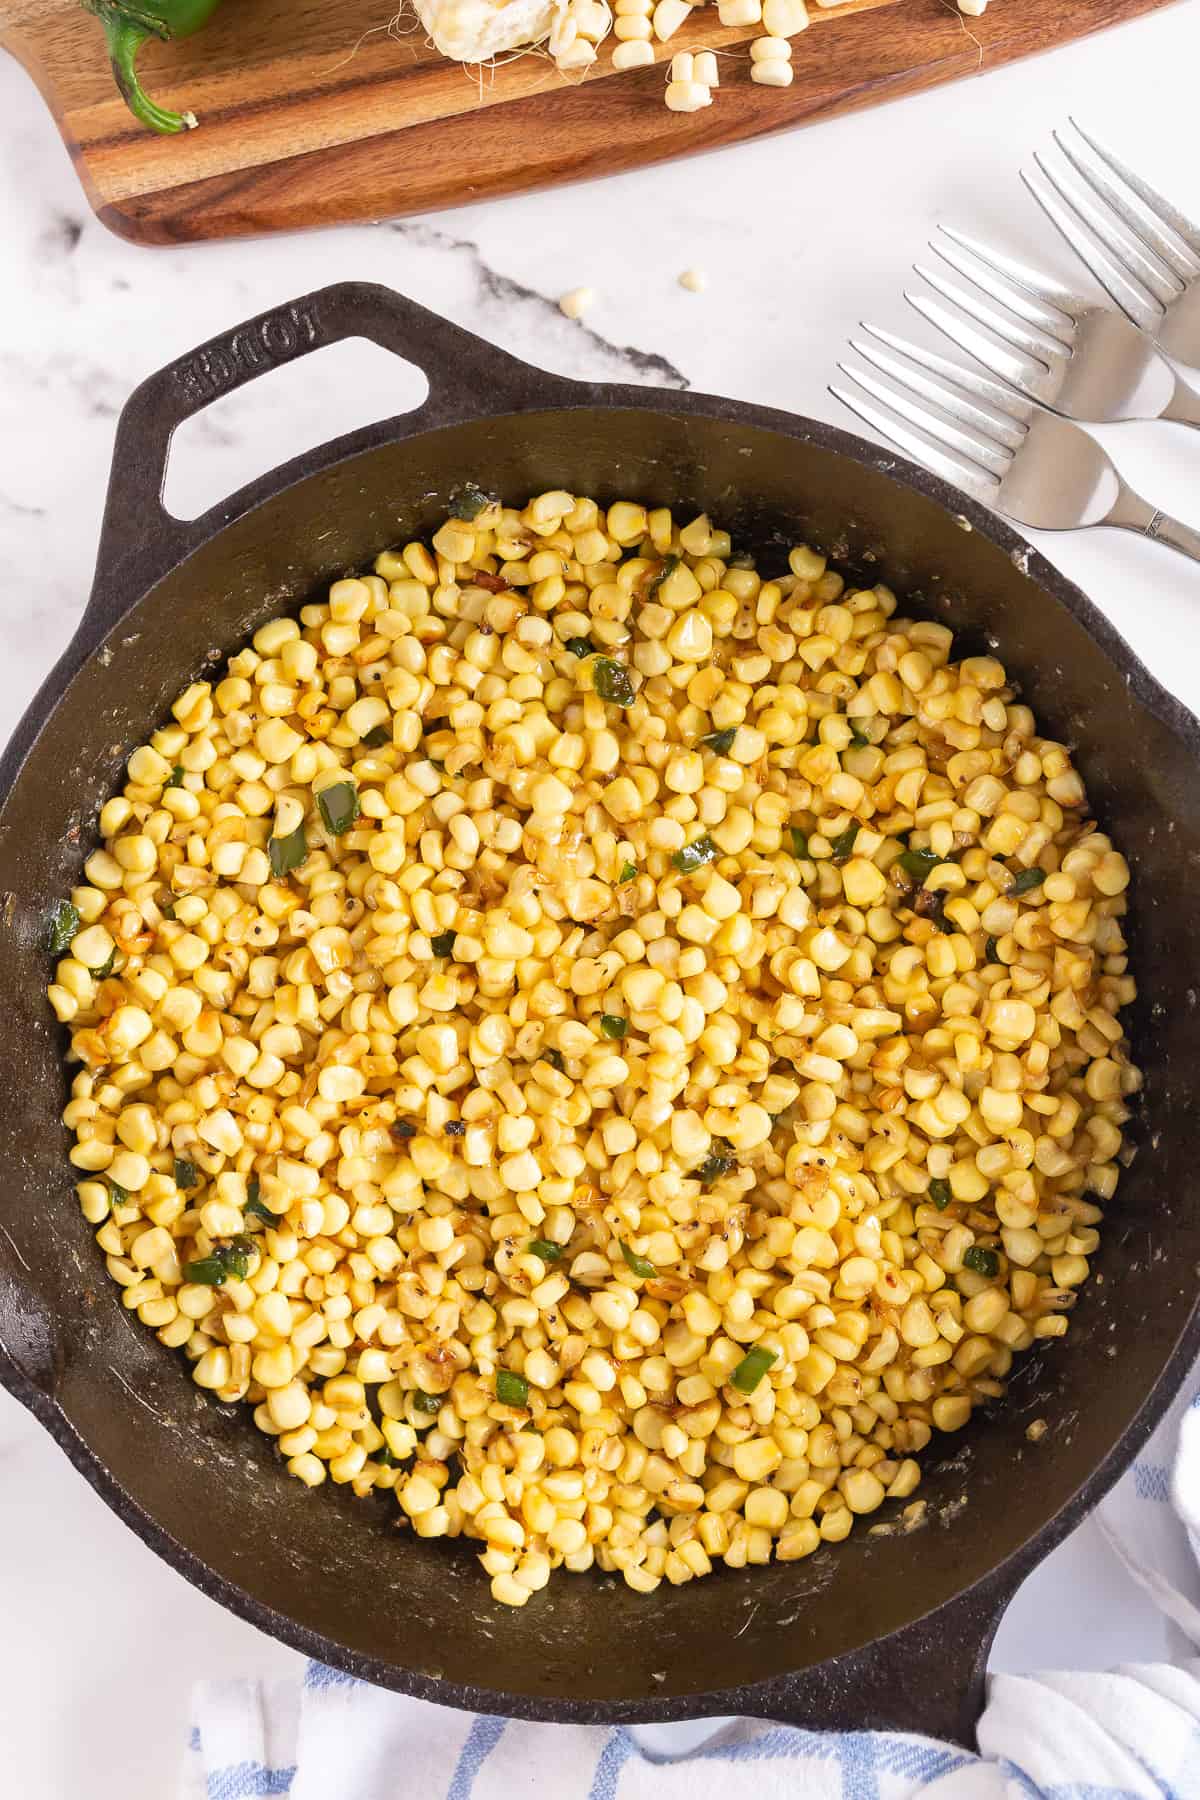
[
  {"x": 1132, "y": 513},
  {"x": 1184, "y": 405}
]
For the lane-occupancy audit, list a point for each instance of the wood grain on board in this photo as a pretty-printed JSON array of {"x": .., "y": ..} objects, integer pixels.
[{"x": 313, "y": 113}]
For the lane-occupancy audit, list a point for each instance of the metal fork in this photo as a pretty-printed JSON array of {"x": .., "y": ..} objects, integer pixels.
[
  {"x": 1140, "y": 248},
  {"x": 996, "y": 445},
  {"x": 1075, "y": 355}
]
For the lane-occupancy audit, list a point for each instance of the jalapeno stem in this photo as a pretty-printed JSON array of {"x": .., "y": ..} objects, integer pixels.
[{"x": 125, "y": 38}]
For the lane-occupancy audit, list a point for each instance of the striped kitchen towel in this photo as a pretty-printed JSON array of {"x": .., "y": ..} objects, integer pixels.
[{"x": 1130, "y": 1734}]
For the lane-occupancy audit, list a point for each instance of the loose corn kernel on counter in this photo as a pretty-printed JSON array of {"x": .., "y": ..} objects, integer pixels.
[{"x": 613, "y": 1048}]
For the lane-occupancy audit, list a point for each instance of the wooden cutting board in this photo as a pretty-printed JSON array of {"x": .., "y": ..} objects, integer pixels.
[{"x": 313, "y": 113}]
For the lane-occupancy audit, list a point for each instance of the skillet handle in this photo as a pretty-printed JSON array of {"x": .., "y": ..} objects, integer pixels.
[
  {"x": 140, "y": 540},
  {"x": 928, "y": 1678}
]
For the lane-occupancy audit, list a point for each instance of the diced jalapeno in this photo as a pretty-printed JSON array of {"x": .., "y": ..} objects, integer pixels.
[
  {"x": 206, "y": 1271},
  {"x": 338, "y": 806},
  {"x": 693, "y": 856},
  {"x": 752, "y": 1368},
  {"x": 611, "y": 681},
  {"x": 918, "y": 863},
  {"x": 287, "y": 853},
  {"x": 232, "y": 1258},
  {"x": 468, "y": 501},
  {"x": 256, "y": 1207},
  {"x": 641, "y": 1265},
  {"x": 511, "y": 1389},
  {"x": 720, "y": 741},
  {"x": 61, "y": 927},
  {"x": 716, "y": 1163}
]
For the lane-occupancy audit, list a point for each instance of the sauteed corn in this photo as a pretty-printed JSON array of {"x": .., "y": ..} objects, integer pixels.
[{"x": 613, "y": 1047}]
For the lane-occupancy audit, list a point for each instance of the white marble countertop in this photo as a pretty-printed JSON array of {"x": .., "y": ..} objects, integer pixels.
[{"x": 799, "y": 237}]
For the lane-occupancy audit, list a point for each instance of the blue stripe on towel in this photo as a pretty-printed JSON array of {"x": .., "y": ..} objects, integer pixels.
[
  {"x": 618, "y": 1748},
  {"x": 1151, "y": 1481},
  {"x": 861, "y": 1753},
  {"x": 863, "y": 1756},
  {"x": 917, "y": 1761},
  {"x": 485, "y": 1733},
  {"x": 859, "y": 1766},
  {"x": 250, "y": 1781},
  {"x": 319, "y": 1675}
]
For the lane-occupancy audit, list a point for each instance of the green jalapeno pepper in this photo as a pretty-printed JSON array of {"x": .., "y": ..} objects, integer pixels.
[{"x": 127, "y": 24}]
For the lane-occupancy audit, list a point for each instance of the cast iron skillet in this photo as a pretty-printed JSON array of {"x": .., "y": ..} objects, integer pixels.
[{"x": 881, "y": 1631}]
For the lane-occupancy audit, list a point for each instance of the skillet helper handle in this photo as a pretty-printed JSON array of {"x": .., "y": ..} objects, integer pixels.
[
  {"x": 927, "y": 1679},
  {"x": 467, "y": 378}
]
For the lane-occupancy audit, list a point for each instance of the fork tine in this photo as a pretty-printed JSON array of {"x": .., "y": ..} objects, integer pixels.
[
  {"x": 1127, "y": 241},
  {"x": 1154, "y": 213},
  {"x": 975, "y": 450},
  {"x": 1060, "y": 207},
  {"x": 1043, "y": 351},
  {"x": 987, "y": 353},
  {"x": 1107, "y": 224},
  {"x": 1035, "y": 281},
  {"x": 1002, "y": 416},
  {"x": 971, "y": 481},
  {"x": 1037, "y": 299}
]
